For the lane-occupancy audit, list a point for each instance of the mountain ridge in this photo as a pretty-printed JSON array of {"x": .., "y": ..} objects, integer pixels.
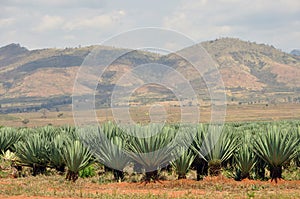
[
  {"x": 295, "y": 52},
  {"x": 251, "y": 72}
]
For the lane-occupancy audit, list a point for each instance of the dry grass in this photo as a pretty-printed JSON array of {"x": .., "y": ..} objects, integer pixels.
[
  {"x": 234, "y": 113},
  {"x": 218, "y": 187}
]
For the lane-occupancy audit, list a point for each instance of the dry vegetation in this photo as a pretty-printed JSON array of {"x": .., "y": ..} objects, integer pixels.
[
  {"x": 254, "y": 112},
  {"x": 51, "y": 187}
]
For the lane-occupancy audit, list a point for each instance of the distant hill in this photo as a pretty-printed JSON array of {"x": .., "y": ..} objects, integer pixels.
[
  {"x": 295, "y": 52},
  {"x": 252, "y": 73}
]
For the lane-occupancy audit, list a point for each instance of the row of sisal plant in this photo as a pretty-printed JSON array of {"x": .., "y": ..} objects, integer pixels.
[{"x": 247, "y": 148}]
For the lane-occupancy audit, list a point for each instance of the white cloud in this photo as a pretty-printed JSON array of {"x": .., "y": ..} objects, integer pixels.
[
  {"x": 54, "y": 3},
  {"x": 6, "y": 22},
  {"x": 254, "y": 20},
  {"x": 93, "y": 22},
  {"x": 67, "y": 22},
  {"x": 49, "y": 23},
  {"x": 106, "y": 21},
  {"x": 69, "y": 37}
]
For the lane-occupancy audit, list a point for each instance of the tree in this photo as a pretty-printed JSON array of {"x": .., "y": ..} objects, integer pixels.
[{"x": 25, "y": 121}]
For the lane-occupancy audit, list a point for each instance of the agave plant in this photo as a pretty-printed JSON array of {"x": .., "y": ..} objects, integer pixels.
[
  {"x": 47, "y": 132},
  {"x": 111, "y": 130},
  {"x": 297, "y": 159},
  {"x": 8, "y": 137},
  {"x": 184, "y": 162},
  {"x": 151, "y": 148},
  {"x": 108, "y": 148},
  {"x": 70, "y": 131},
  {"x": 276, "y": 148},
  {"x": 32, "y": 152},
  {"x": 76, "y": 157},
  {"x": 217, "y": 147},
  {"x": 245, "y": 161},
  {"x": 245, "y": 158},
  {"x": 188, "y": 135},
  {"x": 55, "y": 157},
  {"x": 199, "y": 163}
]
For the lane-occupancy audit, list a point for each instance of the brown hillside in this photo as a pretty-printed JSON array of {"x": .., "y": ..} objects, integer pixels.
[{"x": 250, "y": 71}]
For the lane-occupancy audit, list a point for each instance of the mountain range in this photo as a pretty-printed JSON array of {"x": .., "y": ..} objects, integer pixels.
[
  {"x": 44, "y": 78},
  {"x": 295, "y": 52}
]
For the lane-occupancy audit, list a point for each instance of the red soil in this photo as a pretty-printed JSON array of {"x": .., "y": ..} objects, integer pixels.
[{"x": 215, "y": 187}]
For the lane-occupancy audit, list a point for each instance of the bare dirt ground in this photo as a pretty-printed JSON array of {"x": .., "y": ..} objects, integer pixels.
[{"x": 211, "y": 187}]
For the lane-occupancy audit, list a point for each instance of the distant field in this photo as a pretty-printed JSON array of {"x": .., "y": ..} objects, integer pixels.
[{"x": 257, "y": 112}]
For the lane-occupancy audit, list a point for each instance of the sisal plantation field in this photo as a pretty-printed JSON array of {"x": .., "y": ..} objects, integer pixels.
[{"x": 248, "y": 160}]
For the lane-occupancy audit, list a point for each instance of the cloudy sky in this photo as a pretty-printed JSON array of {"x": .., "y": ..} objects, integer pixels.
[{"x": 69, "y": 23}]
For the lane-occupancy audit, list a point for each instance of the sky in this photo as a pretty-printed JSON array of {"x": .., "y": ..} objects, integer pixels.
[{"x": 70, "y": 23}]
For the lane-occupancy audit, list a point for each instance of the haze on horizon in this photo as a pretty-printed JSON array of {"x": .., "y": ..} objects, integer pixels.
[{"x": 70, "y": 23}]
